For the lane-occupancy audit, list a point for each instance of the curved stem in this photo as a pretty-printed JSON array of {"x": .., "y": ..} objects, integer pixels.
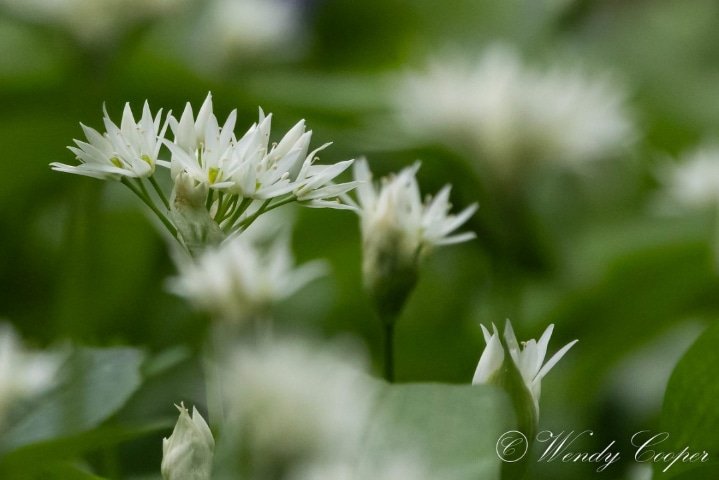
[
  {"x": 159, "y": 191},
  {"x": 142, "y": 194}
]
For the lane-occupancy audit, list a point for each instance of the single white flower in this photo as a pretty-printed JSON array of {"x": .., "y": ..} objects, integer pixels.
[
  {"x": 293, "y": 402},
  {"x": 187, "y": 453},
  {"x": 398, "y": 229},
  {"x": 242, "y": 278},
  {"x": 529, "y": 359},
  {"x": 22, "y": 373},
  {"x": 128, "y": 150},
  {"x": 202, "y": 147},
  {"x": 694, "y": 181},
  {"x": 507, "y": 113}
]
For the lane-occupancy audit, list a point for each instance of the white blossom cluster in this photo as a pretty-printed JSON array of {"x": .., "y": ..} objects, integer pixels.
[
  {"x": 221, "y": 182},
  {"x": 92, "y": 22},
  {"x": 693, "y": 181},
  {"x": 507, "y": 113}
]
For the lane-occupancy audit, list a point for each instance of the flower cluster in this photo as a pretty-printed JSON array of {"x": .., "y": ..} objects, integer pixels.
[
  {"x": 242, "y": 277},
  {"x": 399, "y": 229},
  {"x": 506, "y": 113},
  {"x": 221, "y": 183},
  {"x": 694, "y": 181}
]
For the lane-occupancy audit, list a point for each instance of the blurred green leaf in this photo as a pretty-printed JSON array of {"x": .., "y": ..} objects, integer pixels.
[
  {"x": 455, "y": 427},
  {"x": 97, "y": 384},
  {"x": 691, "y": 411}
]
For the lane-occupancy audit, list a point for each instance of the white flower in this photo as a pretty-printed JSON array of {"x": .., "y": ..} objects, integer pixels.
[
  {"x": 249, "y": 167},
  {"x": 396, "y": 209},
  {"x": 92, "y": 22},
  {"x": 22, "y": 373},
  {"x": 223, "y": 33},
  {"x": 187, "y": 453},
  {"x": 507, "y": 113},
  {"x": 242, "y": 278},
  {"x": 201, "y": 147},
  {"x": 130, "y": 150},
  {"x": 398, "y": 229},
  {"x": 529, "y": 359},
  {"x": 296, "y": 402},
  {"x": 694, "y": 182}
]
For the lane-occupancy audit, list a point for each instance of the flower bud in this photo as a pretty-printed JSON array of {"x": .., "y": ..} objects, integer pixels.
[
  {"x": 187, "y": 453},
  {"x": 193, "y": 221}
]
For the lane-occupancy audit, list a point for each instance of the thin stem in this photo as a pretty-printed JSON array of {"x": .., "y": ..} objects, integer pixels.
[
  {"x": 266, "y": 207},
  {"x": 159, "y": 191},
  {"x": 248, "y": 221},
  {"x": 227, "y": 208},
  {"x": 208, "y": 201},
  {"x": 388, "y": 351},
  {"x": 142, "y": 195},
  {"x": 244, "y": 204}
]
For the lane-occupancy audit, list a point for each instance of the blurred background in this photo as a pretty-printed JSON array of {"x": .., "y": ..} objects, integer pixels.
[{"x": 583, "y": 128}]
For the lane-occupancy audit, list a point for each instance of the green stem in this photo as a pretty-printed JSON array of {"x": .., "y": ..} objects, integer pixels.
[
  {"x": 227, "y": 208},
  {"x": 388, "y": 351},
  {"x": 266, "y": 207},
  {"x": 142, "y": 195},
  {"x": 159, "y": 191},
  {"x": 208, "y": 201},
  {"x": 244, "y": 204}
]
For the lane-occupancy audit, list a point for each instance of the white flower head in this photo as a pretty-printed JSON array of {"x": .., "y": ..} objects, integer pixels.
[
  {"x": 241, "y": 278},
  {"x": 528, "y": 359},
  {"x": 22, "y": 373},
  {"x": 398, "y": 229},
  {"x": 249, "y": 166},
  {"x": 187, "y": 453},
  {"x": 231, "y": 30},
  {"x": 296, "y": 402},
  {"x": 92, "y": 22},
  {"x": 128, "y": 150},
  {"x": 694, "y": 182},
  {"x": 507, "y": 113}
]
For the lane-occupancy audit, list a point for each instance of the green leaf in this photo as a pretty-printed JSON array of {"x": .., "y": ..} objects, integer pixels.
[
  {"x": 454, "y": 428},
  {"x": 691, "y": 411},
  {"x": 96, "y": 384}
]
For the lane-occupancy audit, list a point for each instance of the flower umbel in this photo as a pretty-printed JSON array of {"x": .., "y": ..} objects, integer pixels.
[
  {"x": 528, "y": 360},
  {"x": 242, "y": 277},
  {"x": 187, "y": 453},
  {"x": 399, "y": 229}
]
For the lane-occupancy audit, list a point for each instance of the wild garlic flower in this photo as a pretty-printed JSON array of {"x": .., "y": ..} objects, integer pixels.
[
  {"x": 22, "y": 373},
  {"x": 227, "y": 31},
  {"x": 128, "y": 150},
  {"x": 242, "y": 278},
  {"x": 507, "y": 113},
  {"x": 528, "y": 359},
  {"x": 92, "y": 22},
  {"x": 248, "y": 166},
  {"x": 294, "y": 402},
  {"x": 187, "y": 453},
  {"x": 694, "y": 182},
  {"x": 399, "y": 229}
]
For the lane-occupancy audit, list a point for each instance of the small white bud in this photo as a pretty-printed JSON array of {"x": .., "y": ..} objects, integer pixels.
[{"x": 187, "y": 453}]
